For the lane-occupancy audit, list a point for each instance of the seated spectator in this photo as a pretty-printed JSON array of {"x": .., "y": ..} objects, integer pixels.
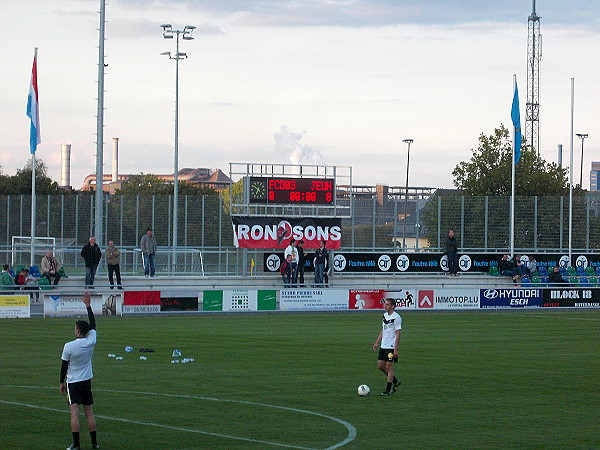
[
  {"x": 27, "y": 282},
  {"x": 50, "y": 267},
  {"x": 507, "y": 267},
  {"x": 520, "y": 265},
  {"x": 555, "y": 276},
  {"x": 7, "y": 282},
  {"x": 531, "y": 266}
]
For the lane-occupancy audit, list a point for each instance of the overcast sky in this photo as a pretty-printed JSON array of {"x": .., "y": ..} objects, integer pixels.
[{"x": 337, "y": 82}]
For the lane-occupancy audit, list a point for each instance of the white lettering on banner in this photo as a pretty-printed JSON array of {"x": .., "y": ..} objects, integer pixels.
[
  {"x": 571, "y": 294},
  {"x": 458, "y": 299},
  {"x": 271, "y": 232},
  {"x": 511, "y": 293},
  {"x": 242, "y": 231},
  {"x": 256, "y": 232}
]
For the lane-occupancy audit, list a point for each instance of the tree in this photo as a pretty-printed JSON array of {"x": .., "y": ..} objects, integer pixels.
[
  {"x": 20, "y": 183},
  {"x": 152, "y": 185},
  {"x": 488, "y": 172}
]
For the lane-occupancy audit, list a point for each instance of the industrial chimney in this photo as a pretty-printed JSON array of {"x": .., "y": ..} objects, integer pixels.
[
  {"x": 65, "y": 167},
  {"x": 115, "y": 160}
]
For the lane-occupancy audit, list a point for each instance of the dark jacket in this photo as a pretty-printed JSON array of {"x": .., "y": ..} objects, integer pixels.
[
  {"x": 451, "y": 244},
  {"x": 91, "y": 254}
]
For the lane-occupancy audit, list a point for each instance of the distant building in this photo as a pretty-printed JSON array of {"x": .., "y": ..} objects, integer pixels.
[
  {"x": 594, "y": 176},
  {"x": 214, "y": 178}
]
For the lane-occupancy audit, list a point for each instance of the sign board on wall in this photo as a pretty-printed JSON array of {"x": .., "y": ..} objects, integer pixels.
[
  {"x": 239, "y": 300},
  {"x": 14, "y": 306},
  {"x": 57, "y": 305},
  {"x": 313, "y": 299}
]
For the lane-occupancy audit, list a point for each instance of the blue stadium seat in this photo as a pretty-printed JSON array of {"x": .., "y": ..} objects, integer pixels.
[
  {"x": 525, "y": 281},
  {"x": 580, "y": 271},
  {"x": 583, "y": 281},
  {"x": 598, "y": 271},
  {"x": 562, "y": 271},
  {"x": 34, "y": 272},
  {"x": 545, "y": 280},
  {"x": 543, "y": 271}
]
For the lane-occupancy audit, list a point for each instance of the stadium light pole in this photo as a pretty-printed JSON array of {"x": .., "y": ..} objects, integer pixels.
[
  {"x": 186, "y": 34},
  {"x": 581, "y": 136},
  {"x": 406, "y": 141}
]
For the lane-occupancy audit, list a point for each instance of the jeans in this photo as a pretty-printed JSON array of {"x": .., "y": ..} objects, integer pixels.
[
  {"x": 452, "y": 262},
  {"x": 114, "y": 269},
  {"x": 294, "y": 274},
  {"x": 90, "y": 274},
  {"x": 149, "y": 268},
  {"x": 319, "y": 269}
]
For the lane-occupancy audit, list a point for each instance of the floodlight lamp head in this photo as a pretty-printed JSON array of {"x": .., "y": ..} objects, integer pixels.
[
  {"x": 189, "y": 27},
  {"x": 166, "y": 26},
  {"x": 581, "y": 135},
  {"x": 166, "y": 53},
  {"x": 182, "y": 55},
  {"x": 168, "y": 34},
  {"x": 408, "y": 141}
]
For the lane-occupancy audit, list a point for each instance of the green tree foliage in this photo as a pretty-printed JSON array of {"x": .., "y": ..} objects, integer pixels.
[
  {"x": 488, "y": 172},
  {"x": 152, "y": 185},
  {"x": 20, "y": 183},
  {"x": 484, "y": 190}
]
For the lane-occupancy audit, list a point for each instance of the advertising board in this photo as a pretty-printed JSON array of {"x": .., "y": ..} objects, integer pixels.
[
  {"x": 511, "y": 298},
  {"x": 14, "y": 306}
]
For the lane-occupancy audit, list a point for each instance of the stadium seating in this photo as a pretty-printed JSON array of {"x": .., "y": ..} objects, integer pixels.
[
  {"x": 34, "y": 272},
  {"x": 536, "y": 280},
  {"x": 598, "y": 271},
  {"x": 542, "y": 271},
  {"x": 545, "y": 280},
  {"x": 494, "y": 271},
  {"x": 525, "y": 281},
  {"x": 62, "y": 273},
  {"x": 583, "y": 281},
  {"x": 590, "y": 271},
  {"x": 573, "y": 280},
  {"x": 562, "y": 271},
  {"x": 571, "y": 271},
  {"x": 580, "y": 271},
  {"x": 593, "y": 281},
  {"x": 44, "y": 284}
]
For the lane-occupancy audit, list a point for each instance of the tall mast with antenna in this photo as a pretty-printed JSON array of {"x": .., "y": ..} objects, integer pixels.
[{"x": 534, "y": 55}]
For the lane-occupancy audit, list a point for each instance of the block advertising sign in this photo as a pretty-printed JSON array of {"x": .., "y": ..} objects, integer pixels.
[{"x": 511, "y": 298}]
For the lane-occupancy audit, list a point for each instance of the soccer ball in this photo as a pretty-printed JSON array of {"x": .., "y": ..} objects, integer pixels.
[
  {"x": 364, "y": 390},
  {"x": 128, "y": 349}
]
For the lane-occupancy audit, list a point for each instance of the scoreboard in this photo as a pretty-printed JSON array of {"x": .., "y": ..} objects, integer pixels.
[{"x": 292, "y": 191}]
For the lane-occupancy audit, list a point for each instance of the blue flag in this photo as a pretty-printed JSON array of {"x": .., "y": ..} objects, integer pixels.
[
  {"x": 516, "y": 120},
  {"x": 33, "y": 111}
]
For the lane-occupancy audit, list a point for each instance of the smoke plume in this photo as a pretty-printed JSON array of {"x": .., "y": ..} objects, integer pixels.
[{"x": 288, "y": 143}]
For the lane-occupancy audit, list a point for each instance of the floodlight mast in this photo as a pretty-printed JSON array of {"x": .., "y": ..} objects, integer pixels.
[{"x": 168, "y": 33}]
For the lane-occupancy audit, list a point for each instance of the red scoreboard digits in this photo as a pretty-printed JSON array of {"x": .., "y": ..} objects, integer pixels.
[{"x": 282, "y": 190}]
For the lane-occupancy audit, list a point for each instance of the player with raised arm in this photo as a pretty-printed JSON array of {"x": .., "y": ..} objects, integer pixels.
[
  {"x": 77, "y": 369},
  {"x": 389, "y": 337}
]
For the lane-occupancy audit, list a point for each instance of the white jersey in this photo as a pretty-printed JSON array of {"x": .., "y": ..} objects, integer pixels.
[
  {"x": 389, "y": 324},
  {"x": 79, "y": 354},
  {"x": 291, "y": 250}
]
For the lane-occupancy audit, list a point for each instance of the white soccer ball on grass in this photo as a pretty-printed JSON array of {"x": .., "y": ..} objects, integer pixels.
[{"x": 364, "y": 390}]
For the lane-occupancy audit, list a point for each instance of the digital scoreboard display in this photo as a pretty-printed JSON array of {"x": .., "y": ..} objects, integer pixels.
[{"x": 292, "y": 191}]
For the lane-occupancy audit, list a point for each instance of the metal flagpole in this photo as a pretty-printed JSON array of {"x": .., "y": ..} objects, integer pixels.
[
  {"x": 33, "y": 196},
  {"x": 512, "y": 195},
  {"x": 571, "y": 173}
]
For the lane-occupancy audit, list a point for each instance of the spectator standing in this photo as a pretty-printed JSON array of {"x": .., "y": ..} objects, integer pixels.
[
  {"x": 301, "y": 262},
  {"x": 319, "y": 261},
  {"x": 7, "y": 282},
  {"x": 51, "y": 267},
  {"x": 286, "y": 270},
  {"x": 292, "y": 250},
  {"x": 148, "y": 244},
  {"x": 113, "y": 258},
  {"x": 91, "y": 254},
  {"x": 452, "y": 253}
]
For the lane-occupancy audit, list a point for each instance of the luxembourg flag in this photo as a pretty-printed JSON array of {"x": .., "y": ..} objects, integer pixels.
[{"x": 33, "y": 111}]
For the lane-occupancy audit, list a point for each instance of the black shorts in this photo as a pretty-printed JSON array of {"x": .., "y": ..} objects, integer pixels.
[
  {"x": 387, "y": 354},
  {"x": 80, "y": 393}
]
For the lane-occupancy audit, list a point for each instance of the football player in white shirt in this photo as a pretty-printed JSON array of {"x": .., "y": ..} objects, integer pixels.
[
  {"x": 77, "y": 369},
  {"x": 389, "y": 337}
]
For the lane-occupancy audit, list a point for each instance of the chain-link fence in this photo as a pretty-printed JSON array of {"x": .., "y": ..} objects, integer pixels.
[{"x": 205, "y": 243}]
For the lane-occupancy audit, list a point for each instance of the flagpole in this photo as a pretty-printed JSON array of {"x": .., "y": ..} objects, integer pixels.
[
  {"x": 571, "y": 173},
  {"x": 512, "y": 195},
  {"x": 33, "y": 194}
]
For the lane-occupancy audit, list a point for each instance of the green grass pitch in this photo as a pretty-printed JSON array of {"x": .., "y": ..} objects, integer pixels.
[{"x": 484, "y": 379}]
